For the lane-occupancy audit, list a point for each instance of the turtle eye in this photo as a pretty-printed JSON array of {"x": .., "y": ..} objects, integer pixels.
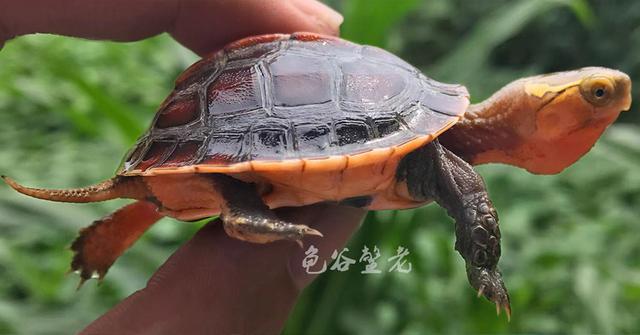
[{"x": 597, "y": 90}]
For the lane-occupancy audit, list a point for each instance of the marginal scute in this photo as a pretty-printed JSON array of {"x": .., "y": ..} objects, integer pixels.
[
  {"x": 184, "y": 153},
  {"x": 132, "y": 156},
  {"x": 352, "y": 131},
  {"x": 301, "y": 80},
  {"x": 157, "y": 152},
  {"x": 386, "y": 126},
  {"x": 223, "y": 148},
  {"x": 270, "y": 141},
  {"x": 312, "y": 137},
  {"x": 199, "y": 72},
  {"x": 179, "y": 111},
  {"x": 255, "y": 52},
  {"x": 234, "y": 90},
  {"x": 308, "y": 37},
  {"x": 252, "y": 41}
]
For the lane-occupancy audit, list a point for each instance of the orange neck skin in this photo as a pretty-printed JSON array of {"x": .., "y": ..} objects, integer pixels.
[
  {"x": 534, "y": 125},
  {"x": 487, "y": 128}
]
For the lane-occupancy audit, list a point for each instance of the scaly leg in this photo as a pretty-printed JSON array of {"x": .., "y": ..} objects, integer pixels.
[
  {"x": 247, "y": 218},
  {"x": 433, "y": 172}
]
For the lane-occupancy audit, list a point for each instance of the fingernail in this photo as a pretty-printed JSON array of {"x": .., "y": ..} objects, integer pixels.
[
  {"x": 325, "y": 14},
  {"x": 331, "y": 16}
]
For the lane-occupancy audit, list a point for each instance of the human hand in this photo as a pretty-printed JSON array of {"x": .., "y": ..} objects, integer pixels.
[
  {"x": 213, "y": 283},
  {"x": 201, "y": 25}
]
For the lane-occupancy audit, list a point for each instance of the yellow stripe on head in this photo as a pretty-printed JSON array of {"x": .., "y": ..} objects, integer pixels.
[{"x": 540, "y": 89}]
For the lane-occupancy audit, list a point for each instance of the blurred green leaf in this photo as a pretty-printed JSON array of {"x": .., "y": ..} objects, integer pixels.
[
  {"x": 583, "y": 12},
  {"x": 472, "y": 52},
  {"x": 370, "y": 20},
  {"x": 118, "y": 113}
]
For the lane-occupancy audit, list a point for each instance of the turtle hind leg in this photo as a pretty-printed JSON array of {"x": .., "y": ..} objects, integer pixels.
[
  {"x": 246, "y": 217},
  {"x": 99, "y": 245}
]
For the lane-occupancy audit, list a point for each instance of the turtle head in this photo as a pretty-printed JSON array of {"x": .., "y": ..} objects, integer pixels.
[
  {"x": 572, "y": 109},
  {"x": 567, "y": 102},
  {"x": 546, "y": 123}
]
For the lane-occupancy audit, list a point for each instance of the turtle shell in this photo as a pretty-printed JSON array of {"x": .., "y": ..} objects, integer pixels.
[{"x": 272, "y": 101}]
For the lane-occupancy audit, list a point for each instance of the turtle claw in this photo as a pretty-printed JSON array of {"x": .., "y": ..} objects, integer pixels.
[
  {"x": 489, "y": 284},
  {"x": 86, "y": 274},
  {"x": 85, "y": 264},
  {"x": 311, "y": 232},
  {"x": 83, "y": 279},
  {"x": 507, "y": 310},
  {"x": 306, "y": 231},
  {"x": 80, "y": 283}
]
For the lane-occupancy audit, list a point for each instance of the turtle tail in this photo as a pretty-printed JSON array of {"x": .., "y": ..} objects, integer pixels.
[{"x": 116, "y": 187}]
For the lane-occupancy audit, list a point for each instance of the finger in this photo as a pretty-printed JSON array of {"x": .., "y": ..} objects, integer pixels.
[
  {"x": 202, "y": 26},
  {"x": 119, "y": 20},
  {"x": 196, "y": 29},
  {"x": 336, "y": 223},
  {"x": 226, "y": 285}
]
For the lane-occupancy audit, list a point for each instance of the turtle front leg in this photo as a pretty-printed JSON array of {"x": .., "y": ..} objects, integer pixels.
[
  {"x": 246, "y": 217},
  {"x": 433, "y": 172}
]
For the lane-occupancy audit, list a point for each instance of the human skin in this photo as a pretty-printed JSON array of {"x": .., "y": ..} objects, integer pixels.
[
  {"x": 212, "y": 284},
  {"x": 215, "y": 284}
]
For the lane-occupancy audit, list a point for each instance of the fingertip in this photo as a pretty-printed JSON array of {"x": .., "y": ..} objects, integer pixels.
[
  {"x": 207, "y": 26},
  {"x": 328, "y": 19}
]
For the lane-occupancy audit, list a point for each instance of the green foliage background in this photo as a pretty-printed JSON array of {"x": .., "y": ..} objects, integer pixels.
[{"x": 70, "y": 108}]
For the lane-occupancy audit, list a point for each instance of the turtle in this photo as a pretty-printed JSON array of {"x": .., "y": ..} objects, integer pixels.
[{"x": 284, "y": 120}]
